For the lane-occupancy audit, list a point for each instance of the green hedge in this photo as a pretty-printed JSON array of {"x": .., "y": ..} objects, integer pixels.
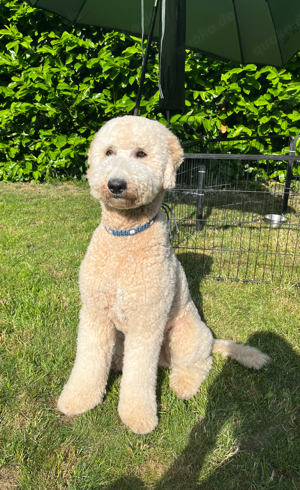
[{"x": 59, "y": 83}]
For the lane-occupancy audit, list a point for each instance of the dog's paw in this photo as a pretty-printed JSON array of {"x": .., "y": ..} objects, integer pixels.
[
  {"x": 138, "y": 418},
  {"x": 185, "y": 381},
  {"x": 73, "y": 403}
]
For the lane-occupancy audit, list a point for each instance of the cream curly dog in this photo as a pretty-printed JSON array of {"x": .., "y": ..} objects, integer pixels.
[{"x": 136, "y": 308}]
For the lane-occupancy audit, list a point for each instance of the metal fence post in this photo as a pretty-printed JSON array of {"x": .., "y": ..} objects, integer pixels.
[
  {"x": 289, "y": 174},
  {"x": 200, "y": 198}
]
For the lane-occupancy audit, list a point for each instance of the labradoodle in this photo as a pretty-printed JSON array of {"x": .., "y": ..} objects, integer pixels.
[{"x": 136, "y": 308}]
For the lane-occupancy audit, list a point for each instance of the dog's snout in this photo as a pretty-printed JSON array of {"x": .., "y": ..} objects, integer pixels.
[{"x": 117, "y": 186}]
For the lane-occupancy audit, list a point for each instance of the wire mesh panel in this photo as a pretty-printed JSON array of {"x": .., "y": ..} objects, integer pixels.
[{"x": 226, "y": 207}]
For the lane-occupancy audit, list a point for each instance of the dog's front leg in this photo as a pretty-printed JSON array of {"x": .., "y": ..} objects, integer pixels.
[
  {"x": 87, "y": 382},
  {"x": 137, "y": 405}
]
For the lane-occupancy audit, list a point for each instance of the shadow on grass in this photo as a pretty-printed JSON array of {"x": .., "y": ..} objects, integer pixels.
[
  {"x": 197, "y": 267},
  {"x": 259, "y": 410},
  {"x": 249, "y": 432}
]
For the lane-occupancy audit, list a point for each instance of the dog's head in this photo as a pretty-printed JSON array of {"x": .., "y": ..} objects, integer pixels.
[{"x": 131, "y": 160}]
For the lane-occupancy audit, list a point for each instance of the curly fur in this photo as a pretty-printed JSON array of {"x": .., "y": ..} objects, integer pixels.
[{"x": 136, "y": 308}]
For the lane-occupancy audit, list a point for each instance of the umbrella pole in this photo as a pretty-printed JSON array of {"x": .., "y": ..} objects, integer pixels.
[{"x": 145, "y": 61}]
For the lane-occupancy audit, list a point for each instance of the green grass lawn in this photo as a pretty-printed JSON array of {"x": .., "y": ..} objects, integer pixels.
[{"x": 241, "y": 431}]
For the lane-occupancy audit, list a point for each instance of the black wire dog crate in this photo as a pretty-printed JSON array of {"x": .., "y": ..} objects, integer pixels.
[{"x": 239, "y": 216}]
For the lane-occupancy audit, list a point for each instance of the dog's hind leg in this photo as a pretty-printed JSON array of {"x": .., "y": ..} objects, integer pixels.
[{"x": 190, "y": 346}]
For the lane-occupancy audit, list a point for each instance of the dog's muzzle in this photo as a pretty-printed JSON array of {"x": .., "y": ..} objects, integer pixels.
[{"x": 117, "y": 186}]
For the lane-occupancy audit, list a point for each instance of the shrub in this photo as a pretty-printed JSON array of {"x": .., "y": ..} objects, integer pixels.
[{"x": 59, "y": 83}]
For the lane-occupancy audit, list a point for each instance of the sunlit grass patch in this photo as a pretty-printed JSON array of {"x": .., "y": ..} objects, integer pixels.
[{"x": 240, "y": 431}]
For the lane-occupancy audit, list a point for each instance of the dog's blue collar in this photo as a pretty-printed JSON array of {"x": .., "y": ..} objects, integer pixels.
[
  {"x": 139, "y": 229},
  {"x": 132, "y": 231}
]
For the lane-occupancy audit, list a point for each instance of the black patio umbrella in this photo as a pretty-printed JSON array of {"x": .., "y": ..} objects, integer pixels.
[{"x": 247, "y": 31}]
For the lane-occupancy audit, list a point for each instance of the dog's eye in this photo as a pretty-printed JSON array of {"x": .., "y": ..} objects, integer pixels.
[
  {"x": 109, "y": 152},
  {"x": 141, "y": 154}
]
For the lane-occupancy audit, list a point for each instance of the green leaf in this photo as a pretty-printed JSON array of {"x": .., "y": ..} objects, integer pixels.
[
  {"x": 63, "y": 86},
  {"x": 36, "y": 174},
  {"x": 60, "y": 141},
  {"x": 261, "y": 101},
  {"x": 264, "y": 119}
]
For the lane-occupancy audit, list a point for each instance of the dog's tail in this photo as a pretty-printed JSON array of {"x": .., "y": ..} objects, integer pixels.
[{"x": 244, "y": 354}]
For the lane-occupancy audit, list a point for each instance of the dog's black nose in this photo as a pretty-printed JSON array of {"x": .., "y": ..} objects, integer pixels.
[{"x": 117, "y": 186}]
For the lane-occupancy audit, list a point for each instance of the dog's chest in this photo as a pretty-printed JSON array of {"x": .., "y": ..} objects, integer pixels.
[
  {"x": 120, "y": 306},
  {"x": 127, "y": 279}
]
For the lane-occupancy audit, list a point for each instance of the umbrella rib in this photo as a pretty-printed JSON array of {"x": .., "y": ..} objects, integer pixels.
[
  {"x": 238, "y": 30},
  {"x": 80, "y": 10},
  {"x": 279, "y": 47}
]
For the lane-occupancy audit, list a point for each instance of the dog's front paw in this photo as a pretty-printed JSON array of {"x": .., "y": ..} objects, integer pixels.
[
  {"x": 185, "y": 381},
  {"x": 74, "y": 402},
  {"x": 138, "y": 418}
]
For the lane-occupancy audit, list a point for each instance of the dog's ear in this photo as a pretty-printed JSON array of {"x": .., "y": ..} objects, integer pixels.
[
  {"x": 174, "y": 160},
  {"x": 90, "y": 159}
]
